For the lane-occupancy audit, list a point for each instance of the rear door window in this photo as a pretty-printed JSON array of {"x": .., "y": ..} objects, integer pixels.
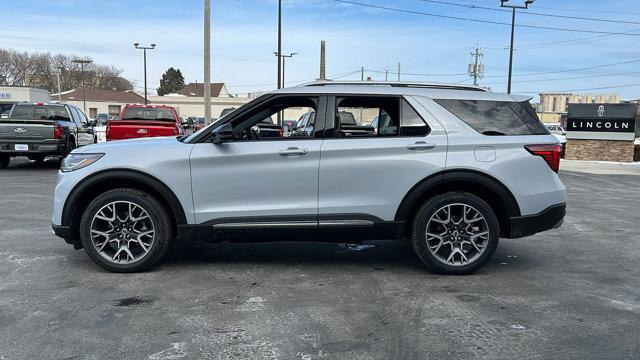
[{"x": 496, "y": 117}]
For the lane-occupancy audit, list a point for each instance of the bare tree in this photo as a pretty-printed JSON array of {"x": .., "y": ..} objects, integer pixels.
[{"x": 41, "y": 70}]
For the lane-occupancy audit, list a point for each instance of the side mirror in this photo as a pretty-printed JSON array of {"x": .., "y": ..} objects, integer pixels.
[
  {"x": 92, "y": 123},
  {"x": 222, "y": 134}
]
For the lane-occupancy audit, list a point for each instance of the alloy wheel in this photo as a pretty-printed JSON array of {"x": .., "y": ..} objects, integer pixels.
[
  {"x": 457, "y": 234},
  {"x": 122, "y": 232}
]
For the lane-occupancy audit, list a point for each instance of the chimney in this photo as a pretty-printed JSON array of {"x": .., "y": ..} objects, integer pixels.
[{"x": 322, "y": 61}]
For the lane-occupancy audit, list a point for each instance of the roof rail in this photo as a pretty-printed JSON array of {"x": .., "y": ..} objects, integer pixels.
[{"x": 399, "y": 84}]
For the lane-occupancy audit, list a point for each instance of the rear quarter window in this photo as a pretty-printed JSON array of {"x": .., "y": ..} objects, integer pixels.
[{"x": 496, "y": 117}]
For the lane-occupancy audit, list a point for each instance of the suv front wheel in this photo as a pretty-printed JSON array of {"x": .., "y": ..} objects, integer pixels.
[
  {"x": 455, "y": 233},
  {"x": 125, "y": 230}
]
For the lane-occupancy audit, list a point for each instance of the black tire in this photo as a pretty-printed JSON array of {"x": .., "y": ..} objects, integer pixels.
[
  {"x": 419, "y": 237},
  {"x": 4, "y": 161},
  {"x": 71, "y": 145},
  {"x": 158, "y": 215}
]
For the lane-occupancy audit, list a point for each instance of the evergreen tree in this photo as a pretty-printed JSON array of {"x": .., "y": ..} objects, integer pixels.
[{"x": 171, "y": 82}]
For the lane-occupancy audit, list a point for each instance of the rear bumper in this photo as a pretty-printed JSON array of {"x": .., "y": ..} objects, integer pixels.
[
  {"x": 34, "y": 148},
  {"x": 549, "y": 218}
]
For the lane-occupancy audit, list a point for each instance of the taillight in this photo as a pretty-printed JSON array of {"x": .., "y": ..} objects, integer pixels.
[
  {"x": 550, "y": 154},
  {"x": 57, "y": 131},
  {"x": 281, "y": 131}
]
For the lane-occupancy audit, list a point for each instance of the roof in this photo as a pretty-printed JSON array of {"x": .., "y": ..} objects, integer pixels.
[
  {"x": 197, "y": 90},
  {"x": 400, "y": 84},
  {"x": 433, "y": 91},
  {"x": 101, "y": 95}
]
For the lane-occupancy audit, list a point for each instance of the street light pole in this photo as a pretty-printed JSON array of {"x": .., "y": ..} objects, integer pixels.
[
  {"x": 84, "y": 92},
  {"x": 279, "y": 42},
  {"x": 283, "y": 63},
  {"x": 144, "y": 50},
  {"x": 207, "y": 61},
  {"x": 513, "y": 31}
]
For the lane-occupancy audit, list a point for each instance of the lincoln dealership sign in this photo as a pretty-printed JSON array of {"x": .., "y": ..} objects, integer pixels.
[{"x": 601, "y": 121}]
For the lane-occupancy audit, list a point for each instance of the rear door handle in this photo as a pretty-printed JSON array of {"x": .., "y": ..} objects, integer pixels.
[
  {"x": 420, "y": 145},
  {"x": 292, "y": 151}
]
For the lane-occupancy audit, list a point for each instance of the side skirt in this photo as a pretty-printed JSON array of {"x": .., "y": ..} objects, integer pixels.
[{"x": 353, "y": 230}]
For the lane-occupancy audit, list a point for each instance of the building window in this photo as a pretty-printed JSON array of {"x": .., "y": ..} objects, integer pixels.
[
  {"x": 93, "y": 112},
  {"x": 555, "y": 104},
  {"x": 114, "y": 110}
]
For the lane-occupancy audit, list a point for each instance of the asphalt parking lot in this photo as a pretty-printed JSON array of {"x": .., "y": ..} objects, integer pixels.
[{"x": 573, "y": 292}]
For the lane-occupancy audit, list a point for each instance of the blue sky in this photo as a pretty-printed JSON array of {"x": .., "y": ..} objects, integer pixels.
[{"x": 244, "y": 39}]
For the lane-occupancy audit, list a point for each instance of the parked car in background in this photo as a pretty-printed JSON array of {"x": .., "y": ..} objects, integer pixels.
[
  {"x": 100, "y": 127},
  {"x": 457, "y": 168},
  {"x": 138, "y": 121},
  {"x": 305, "y": 124},
  {"x": 199, "y": 124},
  {"x": 288, "y": 126},
  {"x": 38, "y": 130},
  {"x": 556, "y": 129}
]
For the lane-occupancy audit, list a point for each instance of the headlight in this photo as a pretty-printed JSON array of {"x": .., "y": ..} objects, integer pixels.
[{"x": 78, "y": 161}]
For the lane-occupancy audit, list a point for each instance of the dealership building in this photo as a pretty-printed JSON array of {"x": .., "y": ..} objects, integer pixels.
[
  {"x": 189, "y": 101},
  {"x": 10, "y": 95}
]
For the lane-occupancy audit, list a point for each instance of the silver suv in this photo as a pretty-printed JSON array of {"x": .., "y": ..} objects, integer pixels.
[{"x": 449, "y": 168}]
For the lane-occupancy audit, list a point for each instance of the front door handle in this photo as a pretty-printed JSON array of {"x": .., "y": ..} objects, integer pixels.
[
  {"x": 420, "y": 145},
  {"x": 292, "y": 151}
]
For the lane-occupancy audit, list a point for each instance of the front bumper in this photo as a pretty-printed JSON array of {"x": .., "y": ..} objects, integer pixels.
[
  {"x": 65, "y": 233},
  {"x": 549, "y": 218}
]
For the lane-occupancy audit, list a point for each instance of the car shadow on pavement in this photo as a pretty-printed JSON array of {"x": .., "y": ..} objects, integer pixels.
[
  {"x": 18, "y": 164},
  {"x": 288, "y": 252},
  {"x": 379, "y": 255}
]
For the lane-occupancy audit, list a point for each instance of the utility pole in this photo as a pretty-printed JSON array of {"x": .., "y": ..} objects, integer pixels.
[
  {"x": 144, "y": 49},
  {"x": 386, "y": 75},
  {"x": 398, "y": 72},
  {"x": 279, "y": 43},
  {"x": 513, "y": 30},
  {"x": 362, "y": 73},
  {"x": 476, "y": 69},
  {"x": 84, "y": 92},
  {"x": 207, "y": 61}
]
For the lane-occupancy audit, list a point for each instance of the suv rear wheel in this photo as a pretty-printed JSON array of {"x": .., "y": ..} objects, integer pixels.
[
  {"x": 455, "y": 233},
  {"x": 125, "y": 230}
]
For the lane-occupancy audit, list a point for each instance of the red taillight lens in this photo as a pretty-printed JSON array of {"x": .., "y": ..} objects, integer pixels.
[
  {"x": 281, "y": 131},
  {"x": 57, "y": 132},
  {"x": 550, "y": 154}
]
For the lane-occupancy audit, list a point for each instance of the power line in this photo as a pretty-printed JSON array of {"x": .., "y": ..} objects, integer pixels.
[
  {"x": 572, "y": 70},
  {"x": 470, "y": 6},
  {"x": 481, "y": 21},
  {"x": 566, "y": 78},
  {"x": 586, "y": 89},
  {"x": 574, "y": 10}
]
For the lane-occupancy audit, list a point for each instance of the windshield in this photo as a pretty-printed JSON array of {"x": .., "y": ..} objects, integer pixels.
[
  {"x": 40, "y": 112},
  {"x": 153, "y": 114}
]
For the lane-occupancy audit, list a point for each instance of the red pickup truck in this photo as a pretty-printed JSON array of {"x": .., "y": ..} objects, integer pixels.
[{"x": 137, "y": 121}]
